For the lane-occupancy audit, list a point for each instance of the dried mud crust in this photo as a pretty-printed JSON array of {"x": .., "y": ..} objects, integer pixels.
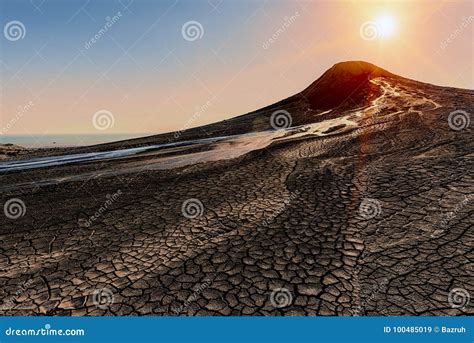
[{"x": 287, "y": 217}]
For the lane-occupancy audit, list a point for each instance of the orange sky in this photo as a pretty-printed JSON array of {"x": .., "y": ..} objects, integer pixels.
[{"x": 236, "y": 66}]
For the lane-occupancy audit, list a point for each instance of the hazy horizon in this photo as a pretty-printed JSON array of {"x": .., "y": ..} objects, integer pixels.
[{"x": 146, "y": 74}]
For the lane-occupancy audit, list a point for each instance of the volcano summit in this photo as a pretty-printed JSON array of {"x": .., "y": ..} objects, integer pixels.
[{"x": 352, "y": 197}]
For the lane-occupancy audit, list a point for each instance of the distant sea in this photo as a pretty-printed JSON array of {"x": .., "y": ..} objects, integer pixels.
[{"x": 50, "y": 141}]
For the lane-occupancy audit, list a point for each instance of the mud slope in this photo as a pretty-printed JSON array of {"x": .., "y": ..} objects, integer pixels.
[{"x": 364, "y": 206}]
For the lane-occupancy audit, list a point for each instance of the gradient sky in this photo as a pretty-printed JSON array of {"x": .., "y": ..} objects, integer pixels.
[{"x": 153, "y": 80}]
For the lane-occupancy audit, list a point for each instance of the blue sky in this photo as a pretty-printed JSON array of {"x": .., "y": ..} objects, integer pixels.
[{"x": 153, "y": 80}]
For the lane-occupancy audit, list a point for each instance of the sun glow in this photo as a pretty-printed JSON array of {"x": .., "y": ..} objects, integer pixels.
[{"x": 385, "y": 26}]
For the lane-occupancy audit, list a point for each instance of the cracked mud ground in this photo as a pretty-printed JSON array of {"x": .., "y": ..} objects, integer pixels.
[{"x": 287, "y": 216}]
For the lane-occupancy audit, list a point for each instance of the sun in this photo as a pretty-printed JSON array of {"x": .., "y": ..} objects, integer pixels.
[{"x": 385, "y": 26}]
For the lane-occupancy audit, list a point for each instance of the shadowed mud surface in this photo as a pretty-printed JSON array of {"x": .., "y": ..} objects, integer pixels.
[{"x": 365, "y": 209}]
